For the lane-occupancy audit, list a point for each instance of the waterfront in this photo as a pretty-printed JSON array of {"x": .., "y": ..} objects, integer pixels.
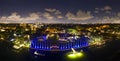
[{"x": 15, "y": 41}]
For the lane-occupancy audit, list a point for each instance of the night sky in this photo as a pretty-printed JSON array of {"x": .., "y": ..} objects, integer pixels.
[{"x": 60, "y": 11}]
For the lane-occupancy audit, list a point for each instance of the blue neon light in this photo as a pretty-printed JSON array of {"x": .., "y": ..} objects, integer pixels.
[{"x": 45, "y": 45}]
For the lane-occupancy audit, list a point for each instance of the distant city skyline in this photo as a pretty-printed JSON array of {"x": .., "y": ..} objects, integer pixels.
[{"x": 60, "y": 11}]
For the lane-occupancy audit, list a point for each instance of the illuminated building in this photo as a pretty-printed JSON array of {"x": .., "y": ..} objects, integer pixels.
[{"x": 49, "y": 45}]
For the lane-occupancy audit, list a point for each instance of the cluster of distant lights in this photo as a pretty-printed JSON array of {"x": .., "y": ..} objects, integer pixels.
[
  {"x": 19, "y": 44},
  {"x": 97, "y": 42}
]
